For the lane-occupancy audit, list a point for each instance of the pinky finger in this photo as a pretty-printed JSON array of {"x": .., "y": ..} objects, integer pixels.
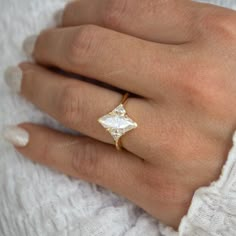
[{"x": 79, "y": 157}]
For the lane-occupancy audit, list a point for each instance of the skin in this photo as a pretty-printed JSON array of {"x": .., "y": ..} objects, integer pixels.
[{"x": 179, "y": 57}]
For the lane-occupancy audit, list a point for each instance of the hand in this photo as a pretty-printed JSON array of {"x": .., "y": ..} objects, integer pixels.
[{"x": 178, "y": 56}]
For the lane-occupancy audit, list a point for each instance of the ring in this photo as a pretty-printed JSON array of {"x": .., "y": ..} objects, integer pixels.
[{"x": 117, "y": 122}]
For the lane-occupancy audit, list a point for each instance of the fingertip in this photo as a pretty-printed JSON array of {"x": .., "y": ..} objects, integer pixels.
[{"x": 16, "y": 135}]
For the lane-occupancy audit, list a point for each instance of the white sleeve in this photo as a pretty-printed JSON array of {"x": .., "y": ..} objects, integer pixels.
[{"x": 213, "y": 209}]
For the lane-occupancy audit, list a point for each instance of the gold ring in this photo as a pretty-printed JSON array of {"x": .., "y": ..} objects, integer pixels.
[{"x": 117, "y": 122}]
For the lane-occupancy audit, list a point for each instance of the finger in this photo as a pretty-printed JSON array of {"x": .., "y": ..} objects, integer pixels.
[
  {"x": 78, "y": 157},
  {"x": 161, "y": 21},
  {"x": 120, "y": 60},
  {"x": 98, "y": 163},
  {"x": 78, "y": 104}
]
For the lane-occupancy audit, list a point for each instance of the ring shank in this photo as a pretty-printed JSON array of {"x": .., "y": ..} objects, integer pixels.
[
  {"x": 124, "y": 99},
  {"x": 118, "y": 145}
]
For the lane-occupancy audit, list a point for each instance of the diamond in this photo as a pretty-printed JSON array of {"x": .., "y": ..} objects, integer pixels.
[{"x": 117, "y": 122}]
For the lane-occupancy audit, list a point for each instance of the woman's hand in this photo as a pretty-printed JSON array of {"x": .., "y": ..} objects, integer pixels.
[{"x": 178, "y": 56}]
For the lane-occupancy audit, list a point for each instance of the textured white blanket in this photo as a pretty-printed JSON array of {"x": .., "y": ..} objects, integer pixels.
[{"x": 34, "y": 200}]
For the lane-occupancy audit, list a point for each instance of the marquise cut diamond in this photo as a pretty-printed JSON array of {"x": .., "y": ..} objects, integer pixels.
[{"x": 117, "y": 122}]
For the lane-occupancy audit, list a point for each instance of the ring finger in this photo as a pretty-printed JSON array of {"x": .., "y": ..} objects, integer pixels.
[{"x": 78, "y": 104}]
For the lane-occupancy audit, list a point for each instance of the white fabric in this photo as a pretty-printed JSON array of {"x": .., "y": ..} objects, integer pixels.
[
  {"x": 36, "y": 201},
  {"x": 213, "y": 208}
]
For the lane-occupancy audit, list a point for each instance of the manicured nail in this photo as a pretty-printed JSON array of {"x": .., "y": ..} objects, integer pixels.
[
  {"x": 13, "y": 78},
  {"x": 58, "y": 17},
  {"x": 15, "y": 135},
  {"x": 29, "y": 44}
]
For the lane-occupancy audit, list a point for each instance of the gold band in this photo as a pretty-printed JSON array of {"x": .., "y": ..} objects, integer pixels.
[{"x": 124, "y": 99}]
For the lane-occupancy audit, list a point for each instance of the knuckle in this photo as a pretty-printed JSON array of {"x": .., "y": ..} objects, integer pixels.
[
  {"x": 196, "y": 76},
  {"x": 191, "y": 86},
  {"x": 114, "y": 12},
  {"x": 70, "y": 105},
  {"x": 200, "y": 86},
  {"x": 83, "y": 46},
  {"x": 85, "y": 162},
  {"x": 222, "y": 25}
]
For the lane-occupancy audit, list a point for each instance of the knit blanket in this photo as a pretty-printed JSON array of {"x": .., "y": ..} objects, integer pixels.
[{"x": 37, "y": 201}]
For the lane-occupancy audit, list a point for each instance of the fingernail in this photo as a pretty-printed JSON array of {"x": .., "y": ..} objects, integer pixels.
[
  {"x": 58, "y": 17},
  {"x": 13, "y": 78},
  {"x": 15, "y": 135},
  {"x": 29, "y": 45}
]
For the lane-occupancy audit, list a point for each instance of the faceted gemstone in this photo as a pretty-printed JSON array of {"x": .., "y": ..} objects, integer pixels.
[
  {"x": 117, "y": 122},
  {"x": 120, "y": 110}
]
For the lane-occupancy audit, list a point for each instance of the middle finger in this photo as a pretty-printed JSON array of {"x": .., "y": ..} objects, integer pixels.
[{"x": 117, "y": 59}]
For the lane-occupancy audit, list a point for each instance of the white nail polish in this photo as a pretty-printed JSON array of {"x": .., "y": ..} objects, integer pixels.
[
  {"x": 16, "y": 136},
  {"x": 58, "y": 17},
  {"x": 13, "y": 78},
  {"x": 29, "y": 45}
]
